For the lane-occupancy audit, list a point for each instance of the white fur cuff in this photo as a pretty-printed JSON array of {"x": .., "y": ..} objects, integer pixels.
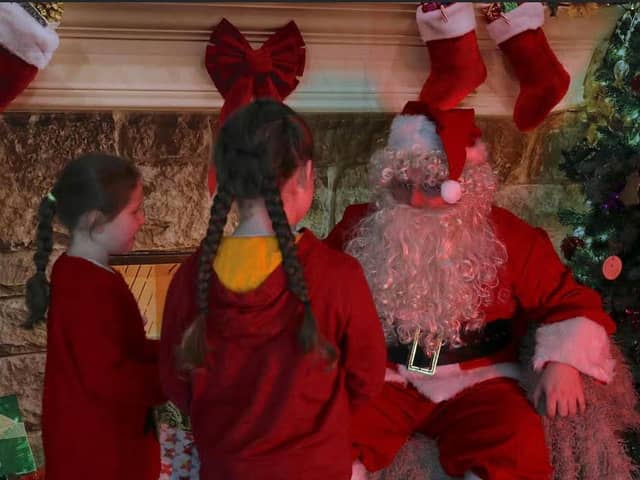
[
  {"x": 450, "y": 380},
  {"x": 25, "y": 37},
  {"x": 579, "y": 342},
  {"x": 527, "y": 16},
  {"x": 432, "y": 25},
  {"x": 358, "y": 471}
]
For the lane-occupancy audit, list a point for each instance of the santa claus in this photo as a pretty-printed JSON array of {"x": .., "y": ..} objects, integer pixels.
[{"x": 457, "y": 280}]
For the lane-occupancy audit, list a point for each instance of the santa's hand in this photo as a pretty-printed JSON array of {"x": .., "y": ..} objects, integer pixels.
[{"x": 559, "y": 390}]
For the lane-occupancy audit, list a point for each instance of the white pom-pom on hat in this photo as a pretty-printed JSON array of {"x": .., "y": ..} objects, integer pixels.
[{"x": 451, "y": 191}]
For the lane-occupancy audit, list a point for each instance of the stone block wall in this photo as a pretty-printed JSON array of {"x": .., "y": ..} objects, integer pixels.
[{"x": 172, "y": 150}]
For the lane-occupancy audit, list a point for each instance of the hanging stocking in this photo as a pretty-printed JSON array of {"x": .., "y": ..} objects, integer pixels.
[
  {"x": 543, "y": 79},
  {"x": 456, "y": 65},
  {"x": 27, "y": 43}
]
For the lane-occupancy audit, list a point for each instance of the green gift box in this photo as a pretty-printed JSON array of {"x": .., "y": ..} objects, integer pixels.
[{"x": 16, "y": 457}]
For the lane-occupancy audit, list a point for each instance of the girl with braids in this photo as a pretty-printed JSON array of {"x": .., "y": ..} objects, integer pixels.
[
  {"x": 270, "y": 339},
  {"x": 101, "y": 377}
]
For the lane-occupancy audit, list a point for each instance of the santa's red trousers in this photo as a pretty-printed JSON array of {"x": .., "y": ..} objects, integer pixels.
[{"x": 490, "y": 429}]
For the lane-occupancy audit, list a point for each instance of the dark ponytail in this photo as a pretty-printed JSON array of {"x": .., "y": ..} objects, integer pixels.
[
  {"x": 93, "y": 182},
  {"x": 37, "y": 290},
  {"x": 193, "y": 347}
]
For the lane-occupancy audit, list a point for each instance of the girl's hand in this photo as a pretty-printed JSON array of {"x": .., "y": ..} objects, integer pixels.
[{"x": 559, "y": 390}]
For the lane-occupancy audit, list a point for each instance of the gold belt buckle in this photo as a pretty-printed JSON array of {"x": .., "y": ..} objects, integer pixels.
[{"x": 412, "y": 356}]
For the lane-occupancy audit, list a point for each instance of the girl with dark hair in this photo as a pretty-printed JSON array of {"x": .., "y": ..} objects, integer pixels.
[
  {"x": 269, "y": 338},
  {"x": 101, "y": 377}
]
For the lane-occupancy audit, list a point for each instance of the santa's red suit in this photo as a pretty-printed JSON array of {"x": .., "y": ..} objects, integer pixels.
[{"x": 483, "y": 423}]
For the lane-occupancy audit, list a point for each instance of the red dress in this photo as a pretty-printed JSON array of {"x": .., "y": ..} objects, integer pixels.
[
  {"x": 101, "y": 379},
  {"x": 261, "y": 409}
]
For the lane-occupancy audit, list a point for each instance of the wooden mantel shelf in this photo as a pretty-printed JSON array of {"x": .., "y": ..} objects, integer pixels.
[{"x": 361, "y": 57}]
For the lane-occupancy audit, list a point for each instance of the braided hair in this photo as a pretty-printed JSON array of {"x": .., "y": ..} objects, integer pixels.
[
  {"x": 258, "y": 148},
  {"x": 92, "y": 182},
  {"x": 193, "y": 346}
]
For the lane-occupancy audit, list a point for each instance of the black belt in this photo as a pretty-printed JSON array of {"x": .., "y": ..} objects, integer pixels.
[{"x": 494, "y": 337}]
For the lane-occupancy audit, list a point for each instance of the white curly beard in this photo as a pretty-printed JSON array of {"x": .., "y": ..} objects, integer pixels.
[{"x": 433, "y": 269}]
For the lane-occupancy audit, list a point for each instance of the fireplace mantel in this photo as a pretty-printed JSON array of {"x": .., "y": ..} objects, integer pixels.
[{"x": 361, "y": 57}]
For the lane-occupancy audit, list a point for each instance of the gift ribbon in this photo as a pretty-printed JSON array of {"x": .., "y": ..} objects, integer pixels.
[{"x": 10, "y": 429}]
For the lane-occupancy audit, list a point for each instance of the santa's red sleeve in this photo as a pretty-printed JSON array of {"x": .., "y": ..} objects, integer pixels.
[
  {"x": 575, "y": 329},
  {"x": 179, "y": 312},
  {"x": 102, "y": 338},
  {"x": 343, "y": 230}
]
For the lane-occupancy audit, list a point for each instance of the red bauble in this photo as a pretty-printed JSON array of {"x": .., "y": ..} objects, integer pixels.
[
  {"x": 635, "y": 83},
  {"x": 570, "y": 245}
]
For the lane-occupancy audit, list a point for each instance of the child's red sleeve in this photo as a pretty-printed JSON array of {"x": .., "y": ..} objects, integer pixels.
[
  {"x": 178, "y": 314},
  {"x": 103, "y": 343},
  {"x": 363, "y": 346}
]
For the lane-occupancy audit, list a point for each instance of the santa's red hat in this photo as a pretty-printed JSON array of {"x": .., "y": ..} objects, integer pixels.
[
  {"x": 448, "y": 130},
  {"x": 27, "y": 43}
]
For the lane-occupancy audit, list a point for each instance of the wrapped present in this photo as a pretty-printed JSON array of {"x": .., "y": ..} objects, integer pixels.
[
  {"x": 16, "y": 457},
  {"x": 179, "y": 457},
  {"x": 37, "y": 475}
]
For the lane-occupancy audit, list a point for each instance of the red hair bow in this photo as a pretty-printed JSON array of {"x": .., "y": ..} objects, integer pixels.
[{"x": 241, "y": 73}]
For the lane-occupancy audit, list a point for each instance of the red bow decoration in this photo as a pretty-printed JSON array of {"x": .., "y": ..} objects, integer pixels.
[
  {"x": 241, "y": 73},
  {"x": 456, "y": 128}
]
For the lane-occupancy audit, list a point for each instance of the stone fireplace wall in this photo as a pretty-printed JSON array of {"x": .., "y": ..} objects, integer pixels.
[{"x": 172, "y": 150}]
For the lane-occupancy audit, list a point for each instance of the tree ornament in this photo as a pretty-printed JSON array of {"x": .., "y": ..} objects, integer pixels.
[
  {"x": 570, "y": 245},
  {"x": 614, "y": 203},
  {"x": 612, "y": 267},
  {"x": 635, "y": 83},
  {"x": 620, "y": 71},
  {"x": 621, "y": 52}
]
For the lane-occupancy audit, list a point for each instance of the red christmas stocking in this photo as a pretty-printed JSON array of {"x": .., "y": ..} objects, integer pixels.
[
  {"x": 15, "y": 76},
  {"x": 456, "y": 65},
  {"x": 543, "y": 79},
  {"x": 26, "y": 45}
]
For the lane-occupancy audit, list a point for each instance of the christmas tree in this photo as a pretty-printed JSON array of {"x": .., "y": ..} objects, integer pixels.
[{"x": 604, "y": 248}]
